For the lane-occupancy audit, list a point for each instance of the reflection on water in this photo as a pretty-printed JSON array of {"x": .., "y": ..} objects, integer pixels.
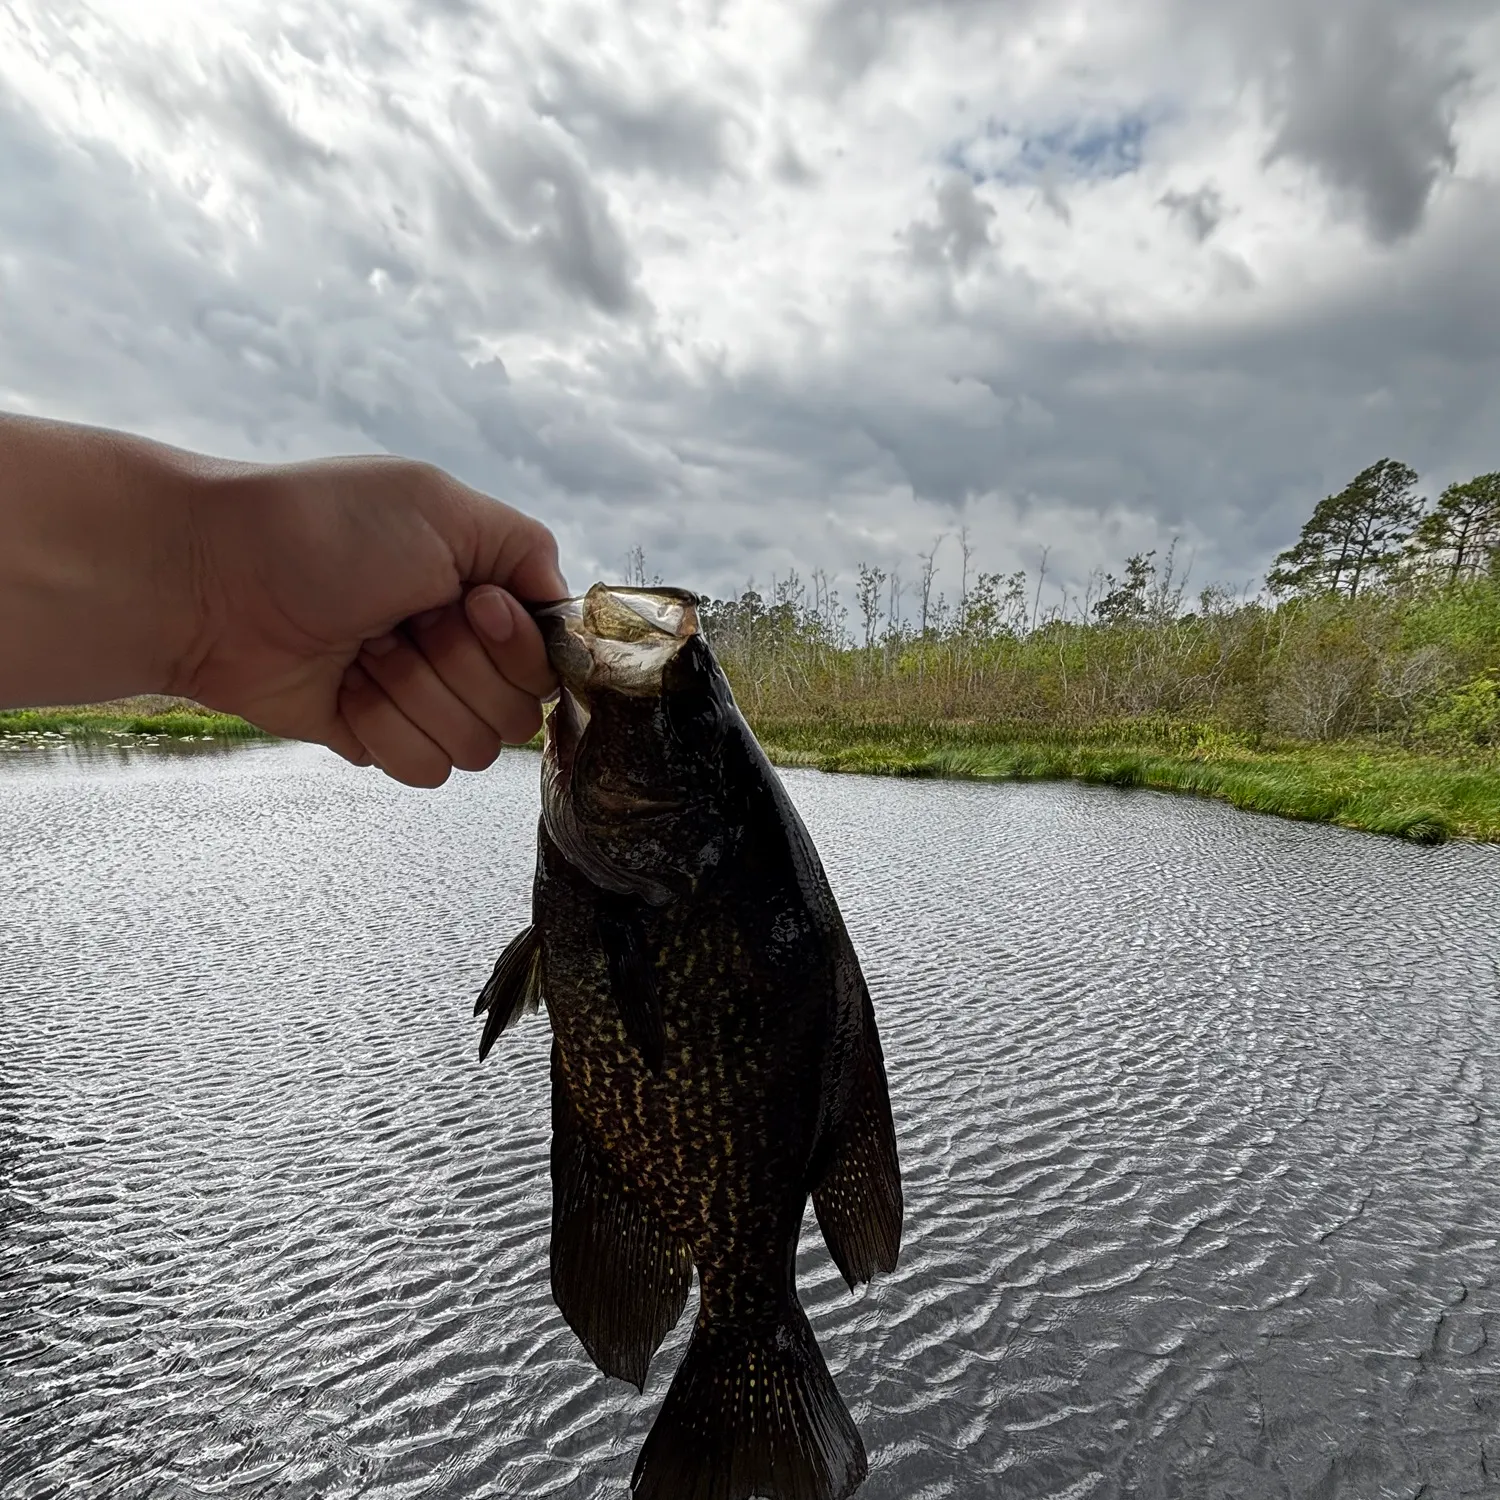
[
  {"x": 1198, "y": 1116},
  {"x": 21, "y": 754}
]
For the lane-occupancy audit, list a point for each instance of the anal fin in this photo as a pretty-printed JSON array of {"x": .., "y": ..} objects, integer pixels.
[
  {"x": 619, "y": 1277},
  {"x": 513, "y": 987},
  {"x": 858, "y": 1201}
]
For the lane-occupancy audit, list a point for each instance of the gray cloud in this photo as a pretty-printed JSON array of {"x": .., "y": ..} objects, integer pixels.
[
  {"x": 958, "y": 232},
  {"x": 560, "y": 216},
  {"x": 475, "y": 276},
  {"x": 1370, "y": 109},
  {"x": 848, "y": 37},
  {"x": 1201, "y": 210},
  {"x": 671, "y": 131},
  {"x": 231, "y": 98}
]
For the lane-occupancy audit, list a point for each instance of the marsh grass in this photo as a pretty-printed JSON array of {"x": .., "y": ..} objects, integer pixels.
[
  {"x": 167, "y": 718},
  {"x": 1373, "y": 787}
]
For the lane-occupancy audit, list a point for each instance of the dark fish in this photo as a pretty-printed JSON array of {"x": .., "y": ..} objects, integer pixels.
[{"x": 714, "y": 1056}]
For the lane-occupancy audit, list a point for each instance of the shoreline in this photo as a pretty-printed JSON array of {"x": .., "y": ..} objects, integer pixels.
[
  {"x": 1369, "y": 786},
  {"x": 129, "y": 718}
]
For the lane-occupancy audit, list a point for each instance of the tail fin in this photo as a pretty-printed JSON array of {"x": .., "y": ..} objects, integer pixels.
[{"x": 747, "y": 1418}]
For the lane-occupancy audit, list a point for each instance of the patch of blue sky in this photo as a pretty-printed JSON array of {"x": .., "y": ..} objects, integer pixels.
[{"x": 1084, "y": 148}]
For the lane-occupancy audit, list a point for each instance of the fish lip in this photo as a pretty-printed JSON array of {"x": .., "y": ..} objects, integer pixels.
[
  {"x": 556, "y": 609},
  {"x": 573, "y": 603}
]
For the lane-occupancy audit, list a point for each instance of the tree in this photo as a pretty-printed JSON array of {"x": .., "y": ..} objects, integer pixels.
[
  {"x": 867, "y": 596},
  {"x": 1361, "y": 530},
  {"x": 929, "y": 568},
  {"x": 1463, "y": 528},
  {"x": 1127, "y": 602}
]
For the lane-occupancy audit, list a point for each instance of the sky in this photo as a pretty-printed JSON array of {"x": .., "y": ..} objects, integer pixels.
[{"x": 758, "y": 286}]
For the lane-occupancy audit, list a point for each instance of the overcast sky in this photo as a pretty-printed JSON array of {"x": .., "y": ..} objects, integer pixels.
[{"x": 760, "y": 285}]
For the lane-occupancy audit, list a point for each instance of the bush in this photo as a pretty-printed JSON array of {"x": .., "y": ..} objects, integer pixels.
[{"x": 1468, "y": 715}]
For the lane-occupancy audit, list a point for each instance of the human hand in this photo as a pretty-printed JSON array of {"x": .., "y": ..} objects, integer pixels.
[{"x": 372, "y": 605}]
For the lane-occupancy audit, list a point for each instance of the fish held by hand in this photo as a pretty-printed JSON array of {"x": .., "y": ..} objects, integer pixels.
[{"x": 715, "y": 1057}]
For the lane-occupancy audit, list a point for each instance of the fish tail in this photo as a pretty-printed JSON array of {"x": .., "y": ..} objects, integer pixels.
[{"x": 749, "y": 1415}]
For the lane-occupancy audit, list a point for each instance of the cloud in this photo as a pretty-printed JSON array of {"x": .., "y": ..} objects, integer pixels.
[
  {"x": 1369, "y": 109},
  {"x": 1201, "y": 210},
  {"x": 759, "y": 288},
  {"x": 958, "y": 232},
  {"x": 626, "y": 123}
]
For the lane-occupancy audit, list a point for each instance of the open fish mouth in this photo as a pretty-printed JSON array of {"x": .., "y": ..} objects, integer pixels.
[
  {"x": 625, "y": 614},
  {"x": 621, "y": 639}
]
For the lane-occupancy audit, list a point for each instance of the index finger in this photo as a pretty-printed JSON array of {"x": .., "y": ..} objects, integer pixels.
[
  {"x": 510, "y": 636},
  {"x": 511, "y": 549}
]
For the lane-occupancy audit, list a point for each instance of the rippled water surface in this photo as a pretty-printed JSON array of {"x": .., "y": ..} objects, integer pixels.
[{"x": 1198, "y": 1114}]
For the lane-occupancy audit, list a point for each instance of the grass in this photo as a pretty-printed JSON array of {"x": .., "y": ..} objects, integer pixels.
[
  {"x": 168, "y": 718},
  {"x": 1378, "y": 788},
  {"x": 1426, "y": 798}
]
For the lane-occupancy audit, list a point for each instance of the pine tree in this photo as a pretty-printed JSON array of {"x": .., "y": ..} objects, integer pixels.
[
  {"x": 1463, "y": 527},
  {"x": 1350, "y": 535}
]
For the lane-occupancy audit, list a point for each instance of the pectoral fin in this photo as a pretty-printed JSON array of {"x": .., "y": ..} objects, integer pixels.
[
  {"x": 619, "y": 1276},
  {"x": 630, "y": 979},
  {"x": 513, "y": 987},
  {"x": 858, "y": 1200}
]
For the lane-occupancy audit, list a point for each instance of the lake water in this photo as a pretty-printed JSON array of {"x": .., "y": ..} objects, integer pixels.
[{"x": 1199, "y": 1116}]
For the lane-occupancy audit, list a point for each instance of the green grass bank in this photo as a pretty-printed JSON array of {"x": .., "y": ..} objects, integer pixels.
[
  {"x": 164, "y": 718},
  {"x": 1370, "y": 785},
  {"x": 1367, "y": 785}
]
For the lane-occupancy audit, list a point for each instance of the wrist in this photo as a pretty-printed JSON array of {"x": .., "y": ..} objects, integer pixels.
[{"x": 103, "y": 577}]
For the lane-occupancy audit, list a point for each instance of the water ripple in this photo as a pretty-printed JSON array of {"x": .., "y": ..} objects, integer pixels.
[{"x": 1197, "y": 1112}]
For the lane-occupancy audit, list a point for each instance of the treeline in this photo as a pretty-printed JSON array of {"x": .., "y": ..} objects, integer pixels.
[{"x": 1382, "y": 619}]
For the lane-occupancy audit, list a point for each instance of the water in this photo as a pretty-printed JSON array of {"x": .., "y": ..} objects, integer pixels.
[{"x": 1198, "y": 1114}]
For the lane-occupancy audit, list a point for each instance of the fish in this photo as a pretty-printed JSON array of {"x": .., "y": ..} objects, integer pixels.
[{"x": 715, "y": 1058}]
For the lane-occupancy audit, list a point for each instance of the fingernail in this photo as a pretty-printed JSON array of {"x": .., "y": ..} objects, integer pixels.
[
  {"x": 427, "y": 617},
  {"x": 489, "y": 611},
  {"x": 381, "y": 644}
]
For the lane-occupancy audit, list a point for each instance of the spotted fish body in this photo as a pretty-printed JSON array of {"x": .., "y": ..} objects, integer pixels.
[{"x": 715, "y": 1058}]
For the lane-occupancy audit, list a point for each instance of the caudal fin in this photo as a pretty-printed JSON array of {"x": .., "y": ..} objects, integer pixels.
[{"x": 751, "y": 1418}]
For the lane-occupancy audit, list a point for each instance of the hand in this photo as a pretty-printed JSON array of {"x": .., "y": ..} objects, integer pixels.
[{"x": 371, "y": 604}]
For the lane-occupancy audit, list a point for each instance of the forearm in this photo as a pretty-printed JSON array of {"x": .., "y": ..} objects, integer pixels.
[{"x": 99, "y": 577}]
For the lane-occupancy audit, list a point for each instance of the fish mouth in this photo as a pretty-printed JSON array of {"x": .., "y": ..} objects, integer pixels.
[
  {"x": 617, "y": 638},
  {"x": 619, "y": 612}
]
